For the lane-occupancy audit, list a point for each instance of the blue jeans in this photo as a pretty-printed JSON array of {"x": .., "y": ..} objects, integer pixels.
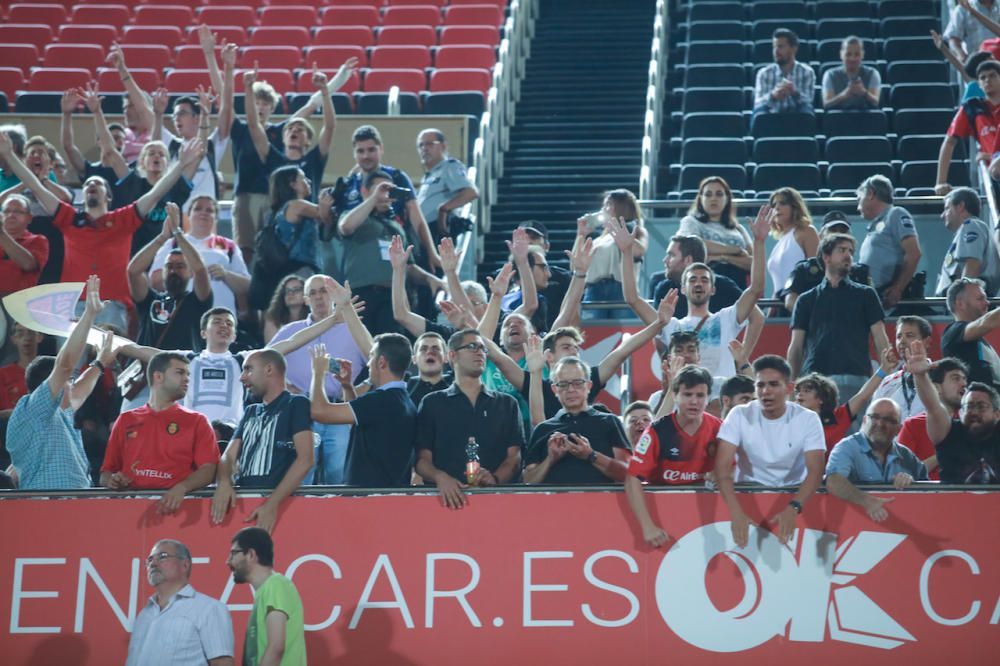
[
  {"x": 329, "y": 454},
  {"x": 608, "y": 289}
]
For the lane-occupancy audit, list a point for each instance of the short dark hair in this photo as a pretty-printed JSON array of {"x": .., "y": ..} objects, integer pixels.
[
  {"x": 830, "y": 242},
  {"x": 366, "y": 133},
  {"x": 973, "y": 61},
  {"x": 922, "y": 324},
  {"x": 787, "y": 35},
  {"x": 988, "y": 390},
  {"x": 377, "y": 174},
  {"x": 429, "y": 334},
  {"x": 457, "y": 338},
  {"x": 691, "y": 376},
  {"x": 986, "y": 66},
  {"x": 773, "y": 362},
  {"x": 161, "y": 361},
  {"x": 636, "y": 404},
  {"x": 956, "y": 288},
  {"x": 258, "y": 540},
  {"x": 550, "y": 339},
  {"x": 698, "y": 266},
  {"x": 38, "y": 371},
  {"x": 272, "y": 357},
  {"x": 215, "y": 311},
  {"x": 691, "y": 246},
  {"x": 188, "y": 99},
  {"x": 682, "y": 338},
  {"x": 736, "y": 385},
  {"x": 966, "y": 196},
  {"x": 116, "y": 126},
  {"x": 946, "y": 365},
  {"x": 825, "y": 389},
  {"x": 396, "y": 351}
]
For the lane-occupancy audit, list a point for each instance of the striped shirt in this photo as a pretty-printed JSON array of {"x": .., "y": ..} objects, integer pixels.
[
  {"x": 802, "y": 76},
  {"x": 191, "y": 629}
]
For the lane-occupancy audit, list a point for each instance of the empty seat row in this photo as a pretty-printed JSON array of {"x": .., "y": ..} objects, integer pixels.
[
  {"x": 845, "y": 149},
  {"x": 900, "y": 71},
  {"x": 834, "y": 123},
  {"x": 735, "y": 51},
  {"x": 899, "y": 96},
  {"x": 824, "y": 9},
  {"x": 899, "y": 26}
]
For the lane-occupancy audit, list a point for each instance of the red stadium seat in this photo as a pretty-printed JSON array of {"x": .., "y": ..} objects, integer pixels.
[
  {"x": 370, "y": 3},
  {"x": 301, "y": 15},
  {"x": 473, "y": 15},
  {"x": 11, "y": 80},
  {"x": 499, "y": 3},
  {"x": 89, "y": 56},
  {"x": 400, "y": 57},
  {"x": 465, "y": 56},
  {"x": 24, "y": 56},
  {"x": 350, "y": 15},
  {"x": 280, "y": 36},
  {"x": 187, "y": 3},
  {"x": 281, "y": 79},
  {"x": 148, "y": 56},
  {"x": 303, "y": 80},
  {"x": 113, "y": 15},
  {"x": 242, "y": 16},
  {"x": 178, "y": 15},
  {"x": 412, "y": 15},
  {"x": 337, "y": 35},
  {"x": 233, "y": 34},
  {"x": 332, "y": 57},
  {"x": 167, "y": 35},
  {"x": 407, "y": 35},
  {"x": 270, "y": 57},
  {"x": 190, "y": 56},
  {"x": 38, "y": 34},
  {"x": 470, "y": 34},
  {"x": 102, "y": 35},
  {"x": 186, "y": 80},
  {"x": 57, "y": 79},
  {"x": 284, "y": 3},
  {"x": 147, "y": 79},
  {"x": 444, "y": 80},
  {"x": 51, "y": 15},
  {"x": 408, "y": 80},
  {"x": 228, "y": 3},
  {"x": 435, "y": 3}
]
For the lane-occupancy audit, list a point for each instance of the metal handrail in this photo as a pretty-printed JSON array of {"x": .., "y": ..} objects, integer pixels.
[
  {"x": 986, "y": 182},
  {"x": 654, "y": 102}
]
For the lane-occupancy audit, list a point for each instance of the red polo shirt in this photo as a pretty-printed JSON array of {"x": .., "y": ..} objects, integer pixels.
[
  {"x": 98, "y": 247},
  {"x": 985, "y": 129},
  {"x": 12, "y": 278}
]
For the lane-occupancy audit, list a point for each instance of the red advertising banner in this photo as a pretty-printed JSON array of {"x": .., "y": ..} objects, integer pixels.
[{"x": 532, "y": 578}]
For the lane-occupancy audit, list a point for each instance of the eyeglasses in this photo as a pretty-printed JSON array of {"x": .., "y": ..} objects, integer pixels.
[
  {"x": 977, "y": 407},
  {"x": 234, "y": 552},
  {"x": 575, "y": 383},
  {"x": 425, "y": 144},
  {"x": 294, "y": 290},
  {"x": 159, "y": 557},
  {"x": 888, "y": 420},
  {"x": 473, "y": 347}
]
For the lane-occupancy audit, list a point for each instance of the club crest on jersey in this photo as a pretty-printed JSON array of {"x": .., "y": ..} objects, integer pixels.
[
  {"x": 643, "y": 444},
  {"x": 172, "y": 428}
]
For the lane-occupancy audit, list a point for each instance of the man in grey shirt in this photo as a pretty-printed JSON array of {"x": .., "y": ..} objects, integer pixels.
[
  {"x": 971, "y": 253},
  {"x": 853, "y": 85},
  {"x": 965, "y": 32},
  {"x": 445, "y": 186},
  {"x": 891, "y": 250}
]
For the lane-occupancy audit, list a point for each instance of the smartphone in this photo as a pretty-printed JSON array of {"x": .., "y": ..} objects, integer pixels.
[
  {"x": 334, "y": 366},
  {"x": 404, "y": 193}
]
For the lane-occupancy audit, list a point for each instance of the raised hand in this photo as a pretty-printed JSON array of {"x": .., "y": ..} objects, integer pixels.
[
  {"x": 106, "y": 354},
  {"x": 341, "y": 293},
  {"x": 917, "y": 362},
  {"x": 533, "y": 353},
  {"x": 228, "y": 54},
  {"x": 319, "y": 79},
  {"x": 320, "y": 359},
  {"x": 206, "y": 98},
  {"x": 193, "y": 152},
  {"x": 623, "y": 238},
  {"x": 250, "y": 78},
  {"x": 206, "y": 38},
  {"x": 665, "y": 311},
  {"x": 519, "y": 245},
  {"x": 738, "y": 352},
  {"x": 91, "y": 97},
  {"x": 501, "y": 282},
  {"x": 94, "y": 303},
  {"x": 171, "y": 222},
  {"x": 344, "y": 73},
  {"x": 399, "y": 257},
  {"x": 70, "y": 100},
  {"x": 889, "y": 359},
  {"x": 580, "y": 257},
  {"x": 449, "y": 257},
  {"x": 761, "y": 226},
  {"x": 161, "y": 99},
  {"x": 117, "y": 58}
]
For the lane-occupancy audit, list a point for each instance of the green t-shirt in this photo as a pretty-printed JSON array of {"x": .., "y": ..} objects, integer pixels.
[
  {"x": 494, "y": 380},
  {"x": 279, "y": 594}
]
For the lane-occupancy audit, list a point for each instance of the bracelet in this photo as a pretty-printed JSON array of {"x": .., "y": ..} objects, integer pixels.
[
  {"x": 745, "y": 366},
  {"x": 579, "y": 275},
  {"x": 96, "y": 363},
  {"x": 126, "y": 79},
  {"x": 880, "y": 373}
]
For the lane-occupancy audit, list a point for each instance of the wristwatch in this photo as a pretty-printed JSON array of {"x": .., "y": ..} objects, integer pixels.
[
  {"x": 592, "y": 458},
  {"x": 797, "y": 505}
]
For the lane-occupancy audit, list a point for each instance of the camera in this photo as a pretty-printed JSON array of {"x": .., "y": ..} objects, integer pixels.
[
  {"x": 400, "y": 193},
  {"x": 595, "y": 220},
  {"x": 334, "y": 368}
]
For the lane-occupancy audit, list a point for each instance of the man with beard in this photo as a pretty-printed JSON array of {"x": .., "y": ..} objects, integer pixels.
[
  {"x": 965, "y": 338},
  {"x": 682, "y": 251},
  {"x": 272, "y": 447},
  {"x": 190, "y": 627},
  {"x": 873, "y": 457},
  {"x": 949, "y": 377},
  {"x": 968, "y": 448},
  {"x": 276, "y": 630},
  {"x": 785, "y": 85},
  {"x": 162, "y": 445},
  {"x": 428, "y": 350}
]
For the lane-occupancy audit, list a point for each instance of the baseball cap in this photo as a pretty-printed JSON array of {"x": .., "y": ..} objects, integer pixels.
[
  {"x": 535, "y": 227},
  {"x": 835, "y": 218}
]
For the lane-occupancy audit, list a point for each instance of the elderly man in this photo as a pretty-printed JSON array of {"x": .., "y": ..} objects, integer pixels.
[
  {"x": 22, "y": 253},
  {"x": 446, "y": 186},
  {"x": 179, "y": 625},
  {"x": 873, "y": 457},
  {"x": 891, "y": 250},
  {"x": 785, "y": 85}
]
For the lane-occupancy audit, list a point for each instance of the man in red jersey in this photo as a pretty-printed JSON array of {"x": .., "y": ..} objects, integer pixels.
[
  {"x": 162, "y": 445},
  {"x": 678, "y": 448},
  {"x": 976, "y": 117},
  {"x": 949, "y": 377}
]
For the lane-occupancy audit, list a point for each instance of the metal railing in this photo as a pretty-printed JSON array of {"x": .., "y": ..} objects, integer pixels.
[
  {"x": 986, "y": 183},
  {"x": 654, "y": 102}
]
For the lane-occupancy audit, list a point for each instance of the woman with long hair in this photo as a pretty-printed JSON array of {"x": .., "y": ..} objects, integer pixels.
[
  {"x": 712, "y": 217},
  {"x": 792, "y": 225},
  {"x": 287, "y": 305}
]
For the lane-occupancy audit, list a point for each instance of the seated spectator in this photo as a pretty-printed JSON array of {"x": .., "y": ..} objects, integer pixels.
[
  {"x": 972, "y": 253},
  {"x": 969, "y": 25},
  {"x": 891, "y": 249},
  {"x": 445, "y": 186},
  {"x": 44, "y": 446},
  {"x": 287, "y": 305},
  {"x": 579, "y": 445},
  {"x": 712, "y": 217},
  {"x": 852, "y": 85},
  {"x": 682, "y": 251},
  {"x": 449, "y": 421},
  {"x": 785, "y": 85},
  {"x": 678, "y": 448},
  {"x": 383, "y": 420},
  {"x": 272, "y": 447},
  {"x": 898, "y": 386},
  {"x": 162, "y": 445},
  {"x": 949, "y": 377},
  {"x": 873, "y": 457},
  {"x": 808, "y": 273},
  {"x": 735, "y": 391},
  {"x": 430, "y": 359},
  {"x": 12, "y": 381},
  {"x": 604, "y": 276},
  {"x": 965, "y": 338},
  {"x": 774, "y": 443},
  {"x": 968, "y": 448},
  {"x": 637, "y": 417},
  {"x": 791, "y": 225},
  {"x": 22, "y": 253},
  {"x": 977, "y": 117}
]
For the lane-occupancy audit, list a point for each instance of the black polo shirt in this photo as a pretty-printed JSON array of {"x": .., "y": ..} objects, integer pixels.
[
  {"x": 446, "y": 419},
  {"x": 603, "y": 430},
  {"x": 837, "y": 322},
  {"x": 551, "y": 401},
  {"x": 726, "y": 293},
  {"x": 979, "y": 355},
  {"x": 968, "y": 461},
  {"x": 381, "y": 451},
  {"x": 418, "y": 388}
]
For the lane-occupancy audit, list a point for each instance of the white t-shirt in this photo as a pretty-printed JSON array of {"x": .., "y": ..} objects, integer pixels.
[
  {"x": 772, "y": 452},
  {"x": 713, "y": 339},
  {"x": 203, "y": 183},
  {"x": 216, "y": 390},
  {"x": 211, "y": 253}
]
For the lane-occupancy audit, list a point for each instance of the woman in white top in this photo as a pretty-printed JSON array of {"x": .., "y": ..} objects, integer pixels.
[
  {"x": 712, "y": 217},
  {"x": 604, "y": 277},
  {"x": 797, "y": 238}
]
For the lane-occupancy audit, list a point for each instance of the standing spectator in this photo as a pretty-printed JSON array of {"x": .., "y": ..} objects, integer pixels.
[
  {"x": 22, "y": 253},
  {"x": 891, "y": 249},
  {"x": 559, "y": 278},
  {"x": 272, "y": 447},
  {"x": 808, "y": 273},
  {"x": 44, "y": 446},
  {"x": 832, "y": 323},
  {"x": 972, "y": 253},
  {"x": 899, "y": 386},
  {"x": 579, "y": 445},
  {"x": 853, "y": 85},
  {"x": 977, "y": 117},
  {"x": 12, "y": 385},
  {"x": 968, "y": 448},
  {"x": 637, "y": 417},
  {"x": 792, "y": 225},
  {"x": 682, "y": 251},
  {"x": 965, "y": 30},
  {"x": 774, "y": 443},
  {"x": 191, "y": 627},
  {"x": 872, "y": 456},
  {"x": 965, "y": 338},
  {"x": 287, "y": 305},
  {"x": 678, "y": 448},
  {"x": 448, "y": 421},
  {"x": 137, "y": 108},
  {"x": 949, "y": 377},
  {"x": 712, "y": 217},
  {"x": 276, "y": 630},
  {"x": 17, "y": 134},
  {"x": 381, "y": 450},
  {"x": 429, "y": 356},
  {"x": 445, "y": 186},
  {"x": 162, "y": 445},
  {"x": 785, "y": 85},
  {"x": 39, "y": 156},
  {"x": 72, "y": 99}
]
